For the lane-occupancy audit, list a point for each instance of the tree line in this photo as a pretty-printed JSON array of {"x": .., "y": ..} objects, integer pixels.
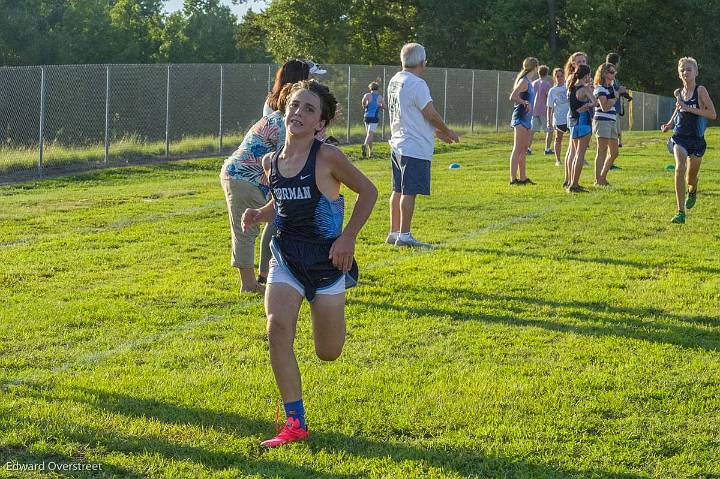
[{"x": 650, "y": 35}]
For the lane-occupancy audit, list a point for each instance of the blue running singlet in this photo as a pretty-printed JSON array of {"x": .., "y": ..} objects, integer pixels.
[
  {"x": 580, "y": 123},
  {"x": 689, "y": 129},
  {"x": 521, "y": 114},
  {"x": 308, "y": 223},
  {"x": 372, "y": 110}
]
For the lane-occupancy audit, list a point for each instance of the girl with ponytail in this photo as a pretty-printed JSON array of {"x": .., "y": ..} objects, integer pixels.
[
  {"x": 523, "y": 96},
  {"x": 582, "y": 102}
]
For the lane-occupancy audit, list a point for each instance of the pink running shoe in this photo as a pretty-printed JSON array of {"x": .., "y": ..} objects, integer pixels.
[{"x": 290, "y": 432}]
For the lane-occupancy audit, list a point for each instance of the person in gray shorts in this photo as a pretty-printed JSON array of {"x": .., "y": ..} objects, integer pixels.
[{"x": 414, "y": 123}]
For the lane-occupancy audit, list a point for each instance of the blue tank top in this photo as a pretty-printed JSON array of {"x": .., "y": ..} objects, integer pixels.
[
  {"x": 575, "y": 117},
  {"x": 690, "y": 124},
  {"x": 529, "y": 96},
  {"x": 302, "y": 211},
  {"x": 372, "y": 108}
]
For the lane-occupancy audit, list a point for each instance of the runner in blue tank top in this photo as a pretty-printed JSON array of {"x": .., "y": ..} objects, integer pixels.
[
  {"x": 692, "y": 111},
  {"x": 372, "y": 103},
  {"x": 312, "y": 253},
  {"x": 582, "y": 102},
  {"x": 523, "y": 96}
]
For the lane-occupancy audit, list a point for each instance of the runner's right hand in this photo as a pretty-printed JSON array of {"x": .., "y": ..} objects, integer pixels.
[{"x": 249, "y": 218}]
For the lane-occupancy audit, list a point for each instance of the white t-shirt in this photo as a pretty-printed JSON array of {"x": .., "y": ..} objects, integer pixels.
[
  {"x": 412, "y": 134},
  {"x": 558, "y": 101}
]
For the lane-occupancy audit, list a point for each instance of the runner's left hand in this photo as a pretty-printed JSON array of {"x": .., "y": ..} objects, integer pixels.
[{"x": 342, "y": 252}]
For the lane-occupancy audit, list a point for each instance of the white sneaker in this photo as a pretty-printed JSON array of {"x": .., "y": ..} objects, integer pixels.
[{"x": 410, "y": 242}]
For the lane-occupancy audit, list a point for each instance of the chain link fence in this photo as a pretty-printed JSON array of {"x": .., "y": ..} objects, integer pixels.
[{"x": 60, "y": 119}]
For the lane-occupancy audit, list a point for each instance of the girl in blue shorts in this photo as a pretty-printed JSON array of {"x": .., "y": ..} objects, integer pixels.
[
  {"x": 523, "y": 95},
  {"x": 582, "y": 103}
]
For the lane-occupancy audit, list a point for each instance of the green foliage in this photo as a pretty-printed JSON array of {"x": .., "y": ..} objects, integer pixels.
[
  {"x": 484, "y": 34},
  {"x": 204, "y": 32},
  {"x": 138, "y": 26},
  {"x": 250, "y": 40}
]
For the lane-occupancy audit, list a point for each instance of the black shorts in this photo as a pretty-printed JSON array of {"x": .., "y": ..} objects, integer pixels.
[
  {"x": 372, "y": 119},
  {"x": 309, "y": 264},
  {"x": 693, "y": 145},
  {"x": 563, "y": 128},
  {"x": 411, "y": 176}
]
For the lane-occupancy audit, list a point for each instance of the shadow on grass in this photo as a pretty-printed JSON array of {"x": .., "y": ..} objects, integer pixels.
[
  {"x": 255, "y": 461},
  {"x": 581, "y": 259},
  {"x": 592, "y": 318}
]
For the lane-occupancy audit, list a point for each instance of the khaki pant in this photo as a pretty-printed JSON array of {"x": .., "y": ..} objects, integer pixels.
[
  {"x": 605, "y": 129},
  {"x": 241, "y": 195}
]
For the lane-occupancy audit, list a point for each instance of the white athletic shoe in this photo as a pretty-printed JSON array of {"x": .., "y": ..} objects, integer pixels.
[
  {"x": 410, "y": 242},
  {"x": 391, "y": 238}
]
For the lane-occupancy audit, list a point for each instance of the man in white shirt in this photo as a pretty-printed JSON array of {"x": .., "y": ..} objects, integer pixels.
[{"x": 414, "y": 123}]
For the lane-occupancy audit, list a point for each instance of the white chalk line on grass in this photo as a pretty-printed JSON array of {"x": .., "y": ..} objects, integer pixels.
[{"x": 99, "y": 356}]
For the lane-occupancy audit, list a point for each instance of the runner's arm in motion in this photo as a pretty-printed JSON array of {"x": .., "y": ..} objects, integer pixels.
[
  {"x": 365, "y": 100},
  {"x": 666, "y": 126},
  {"x": 344, "y": 172},
  {"x": 260, "y": 215},
  {"x": 707, "y": 108}
]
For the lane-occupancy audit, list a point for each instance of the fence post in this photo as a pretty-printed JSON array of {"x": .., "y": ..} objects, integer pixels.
[
  {"x": 107, "y": 113},
  {"x": 657, "y": 112},
  {"x": 382, "y": 135},
  {"x": 270, "y": 81},
  {"x": 42, "y": 121},
  {"x": 348, "y": 107},
  {"x": 221, "y": 108},
  {"x": 643, "y": 110},
  {"x": 497, "y": 105},
  {"x": 472, "y": 103},
  {"x": 167, "y": 115},
  {"x": 445, "y": 100}
]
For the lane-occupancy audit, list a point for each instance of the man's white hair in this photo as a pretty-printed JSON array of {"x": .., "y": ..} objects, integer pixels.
[{"x": 412, "y": 55}]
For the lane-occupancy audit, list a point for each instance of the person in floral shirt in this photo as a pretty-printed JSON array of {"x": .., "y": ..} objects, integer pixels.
[{"x": 246, "y": 186}]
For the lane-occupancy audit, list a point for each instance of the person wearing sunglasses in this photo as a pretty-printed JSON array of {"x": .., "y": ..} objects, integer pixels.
[{"x": 605, "y": 121}]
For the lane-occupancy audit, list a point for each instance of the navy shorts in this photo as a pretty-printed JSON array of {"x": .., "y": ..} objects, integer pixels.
[
  {"x": 309, "y": 265},
  {"x": 372, "y": 119},
  {"x": 410, "y": 176},
  {"x": 693, "y": 145}
]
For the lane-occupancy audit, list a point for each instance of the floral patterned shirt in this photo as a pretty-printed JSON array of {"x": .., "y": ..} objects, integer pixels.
[{"x": 245, "y": 164}]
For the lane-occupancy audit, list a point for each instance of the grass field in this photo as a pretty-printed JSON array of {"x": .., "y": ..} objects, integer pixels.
[{"x": 549, "y": 335}]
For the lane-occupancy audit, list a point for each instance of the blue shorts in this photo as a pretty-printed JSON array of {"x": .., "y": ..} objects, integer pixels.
[
  {"x": 410, "y": 176},
  {"x": 521, "y": 116},
  {"x": 372, "y": 119},
  {"x": 522, "y": 120},
  {"x": 579, "y": 131},
  {"x": 693, "y": 145},
  {"x": 309, "y": 266}
]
